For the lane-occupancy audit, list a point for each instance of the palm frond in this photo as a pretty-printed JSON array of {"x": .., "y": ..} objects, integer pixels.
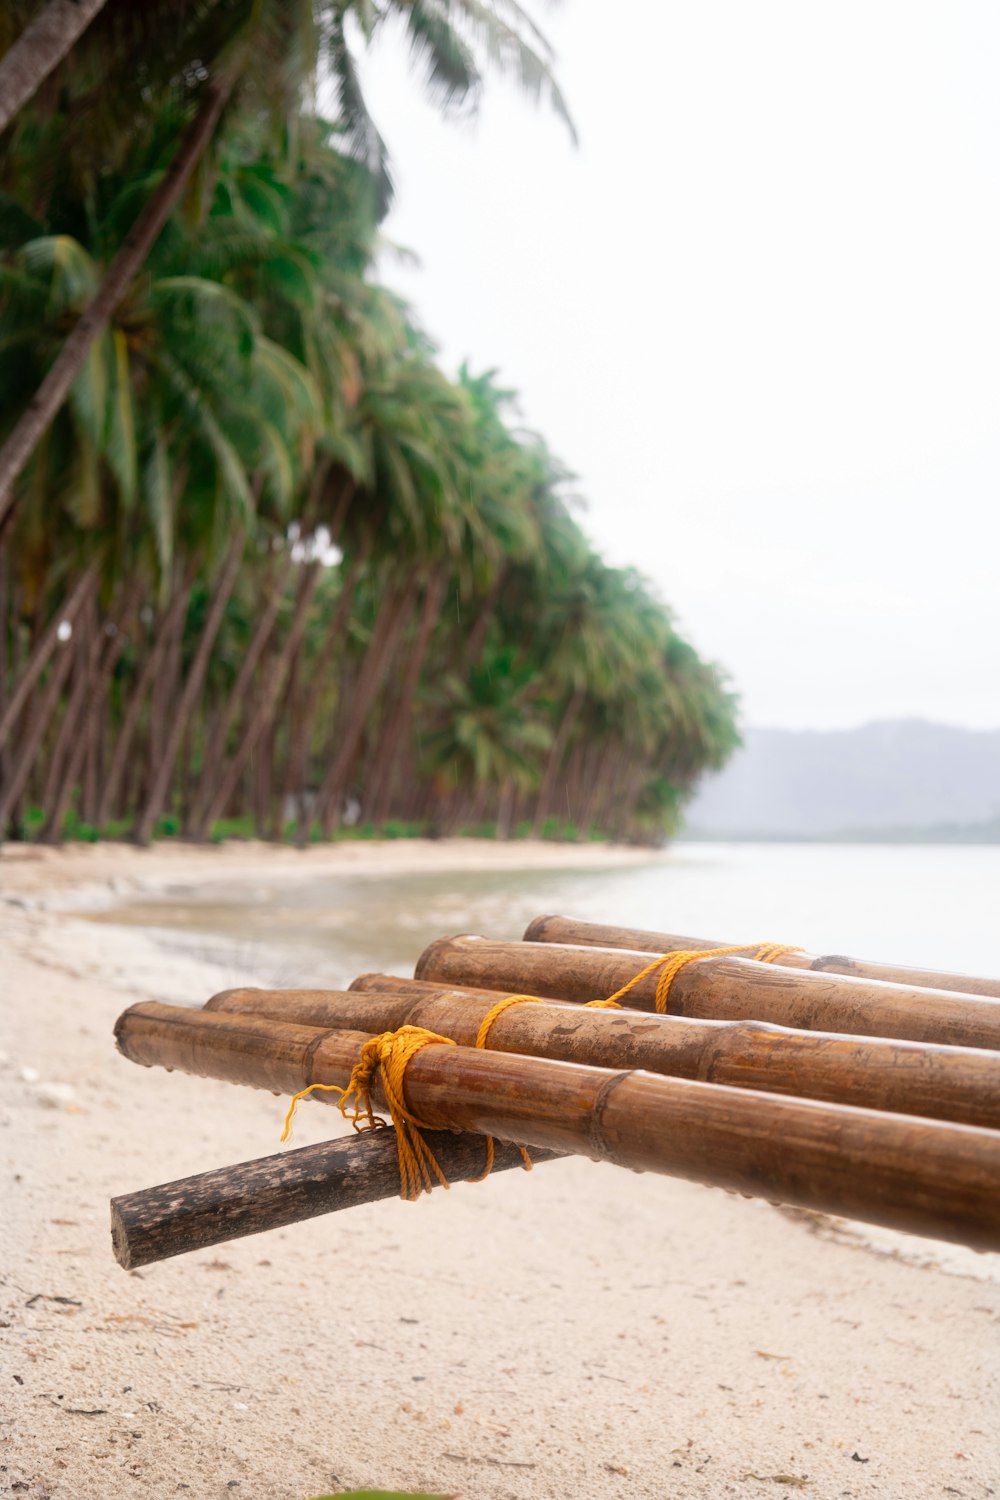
[
  {"x": 514, "y": 57},
  {"x": 72, "y": 273},
  {"x": 276, "y": 465},
  {"x": 89, "y": 393},
  {"x": 359, "y": 131},
  {"x": 157, "y": 489},
  {"x": 208, "y": 298},
  {"x": 231, "y": 475},
  {"x": 449, "y": 64},
  {"x": 120, "y": 444}
]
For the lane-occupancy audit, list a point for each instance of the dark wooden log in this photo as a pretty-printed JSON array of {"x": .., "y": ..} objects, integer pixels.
[
  {"x": 195, "y": 1213},
  {"x": 923, "y": 1176},
  {"x": 914, "y": 1078},
  {"x": 600, "y": 935},
  {"x": 720, "y": 989}
]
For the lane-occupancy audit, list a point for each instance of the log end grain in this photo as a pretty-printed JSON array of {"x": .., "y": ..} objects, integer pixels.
[
  {"x": 427, "y": 960},
  {"x": 535, "y": 931}
]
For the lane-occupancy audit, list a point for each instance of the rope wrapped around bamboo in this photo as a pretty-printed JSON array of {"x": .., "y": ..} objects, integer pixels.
[
  {"x": 722, "y": 989},
  {"x": 923, "y": 1176},
  {"x": 948, "y": 1083},
  {"x": 601, "y": 935}
]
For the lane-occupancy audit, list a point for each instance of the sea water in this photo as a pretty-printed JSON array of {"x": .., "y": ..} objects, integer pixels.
[{"x": 936, "y": 906}]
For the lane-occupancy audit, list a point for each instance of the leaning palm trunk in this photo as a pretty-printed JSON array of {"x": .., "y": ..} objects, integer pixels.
[
  {"x": 569, "y": 717},
  {"x": 384, "y": 769},
  {"x": 918, "y": 1175},
  {"x": 130, "y": 259},
  {"x": 171, "y": 622},
  {"x": 81, "y": 593},
  {"x": 22, "y": 760},
  {"x": 597, "y": 934},
  {"x": 913, "y": 1078},
  {"x": 626, "y": 799},
  {"x": 476, "y": 639},
  {"x": 297, "y": 764},
  {"x": 101, "y": 665},
  {"x": 218, "y": 731},
  {"x": 39, "y": 49},
  {"x": 6, "y": 641},
  {"x": 191, "y": 693},
  {"x": 391, "y": 618},
  {"x": 265, "y": 702},
  {"x": 85, "y": 664}
]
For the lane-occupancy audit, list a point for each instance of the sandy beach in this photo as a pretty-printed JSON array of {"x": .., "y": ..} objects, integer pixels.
[{"x": 581, "y": 1331}]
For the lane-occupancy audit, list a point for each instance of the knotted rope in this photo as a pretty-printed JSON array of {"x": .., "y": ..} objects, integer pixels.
[
  {"x": 390, "y": 1054},
  {"x": 483, "y": 1033},
  {"x": 672, "y": 963}
]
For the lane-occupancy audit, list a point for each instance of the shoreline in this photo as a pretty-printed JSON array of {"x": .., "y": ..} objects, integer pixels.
[
  {"x": 104, "y": 872},
  {"x": 579, "y": 1332}
]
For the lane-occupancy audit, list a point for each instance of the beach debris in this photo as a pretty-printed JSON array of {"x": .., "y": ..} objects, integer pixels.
[
  {"x": 794, "y": 1481},
  {"x": 77, "y": 1411},
  {"x": 56, "y": 1096},
  {"x": 890, "y": 1116}
]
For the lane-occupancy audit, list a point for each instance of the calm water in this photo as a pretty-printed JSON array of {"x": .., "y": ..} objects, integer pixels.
[{"x": 934, "y": 905}]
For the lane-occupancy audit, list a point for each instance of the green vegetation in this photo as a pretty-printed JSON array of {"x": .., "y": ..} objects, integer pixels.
[
  {"x": 381, "y": 1495},
  {"x": 264, "y": 567}
]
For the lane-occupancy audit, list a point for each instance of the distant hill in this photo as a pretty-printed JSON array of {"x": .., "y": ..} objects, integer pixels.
[{"x": 905, "y": 779}]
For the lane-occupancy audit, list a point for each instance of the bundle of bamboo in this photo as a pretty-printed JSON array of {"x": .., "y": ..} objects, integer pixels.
[
  {"x": 889, "y": 1113},
  {"x": 596, "y": 934}
]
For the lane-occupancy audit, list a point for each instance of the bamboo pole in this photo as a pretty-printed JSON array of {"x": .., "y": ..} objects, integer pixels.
[
  {"x": 720, "y": 989},
  {"x": 380, "y": 983},
  {"x": 922, "y": 1176},
  {"x": 600, "y": 935},
  {"x": 195, "y": 1213},
  {"x": 944, "y": 1083}
]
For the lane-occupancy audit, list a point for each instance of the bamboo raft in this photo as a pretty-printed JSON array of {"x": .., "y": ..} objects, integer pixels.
[{"x": 835, "y": 1085}]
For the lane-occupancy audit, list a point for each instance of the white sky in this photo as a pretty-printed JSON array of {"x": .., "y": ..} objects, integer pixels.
[{"x": 758, "y": 313}]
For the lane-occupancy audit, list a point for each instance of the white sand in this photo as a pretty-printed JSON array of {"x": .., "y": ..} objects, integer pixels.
[{"x": 581, "y": 1332}]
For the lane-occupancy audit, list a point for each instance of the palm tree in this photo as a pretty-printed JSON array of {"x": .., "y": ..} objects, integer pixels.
[
  {"x": 183, "y": 391},
  {"x": 272, "y": 41},
  {"x": 41, "y": 46},
  {"x": 490, "y": 738},
  {"x": 593, "y": 646},
  {"x": 254, "y": 399}
]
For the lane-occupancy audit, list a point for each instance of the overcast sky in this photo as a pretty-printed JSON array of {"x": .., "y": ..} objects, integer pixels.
[{"x": 758, "y": 313}]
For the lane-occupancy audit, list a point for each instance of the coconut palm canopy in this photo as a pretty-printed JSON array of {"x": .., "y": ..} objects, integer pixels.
[{"x": 264, "y": 564}]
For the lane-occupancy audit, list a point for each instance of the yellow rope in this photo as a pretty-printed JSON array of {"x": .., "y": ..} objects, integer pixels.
[
  {"x": 390, "y": 1054},
  {"x": 772, "y": 952},
  {"x": 498, "y": 1010},
  {"x": 484, "y": 1031},
  {"x": 672, "y": 963}
]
